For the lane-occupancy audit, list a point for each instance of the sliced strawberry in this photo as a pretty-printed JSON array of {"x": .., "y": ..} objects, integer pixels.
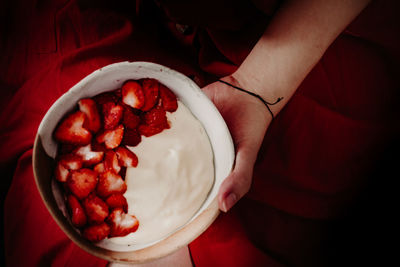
[
  {"x": 111, "y": 138},
  {"x": 71, "y": 130},
  {"x": 148, "y": 131},
  {"x": 96, "y": 233},
  {"x": 126, "y": 157},
  {"x": 96, "y": 209},
  {"x": 156, "y": 117},
  {"x": 154, "y": 121},
  {"x": 78, "y": 216},
  {"x": 92, "y": 120},
  {"x": 88, "y": 156},
  {"x": 106, "y": 97},
  {"x": 65, "y": 164},
  {"x": 110, "y": 183},
  {"x": 132, "y": 94},
  {"x": 117, "y": 201},
  {"x": 130, "y": 120},
  {"x": 99, "y": 168},
  {"x": 132, "y": 137},
  {"x": 82, "y": 182},
  {"x": 111, "y": 162},
  {"x": 112, "y": 115},
  {"x": 150, "y": 90},
  {"x": 168, "y": 99},
  {"x": 122, "y": 223}
]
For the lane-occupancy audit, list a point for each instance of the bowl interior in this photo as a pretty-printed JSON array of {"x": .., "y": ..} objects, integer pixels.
[{"x": 109, "y": 78}]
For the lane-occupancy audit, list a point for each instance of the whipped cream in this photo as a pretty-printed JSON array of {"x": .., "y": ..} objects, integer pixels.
[{"x": 172, "y": 180}]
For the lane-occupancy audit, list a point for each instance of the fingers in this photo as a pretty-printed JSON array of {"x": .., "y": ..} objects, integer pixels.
[{"x": 237, "y": 184}]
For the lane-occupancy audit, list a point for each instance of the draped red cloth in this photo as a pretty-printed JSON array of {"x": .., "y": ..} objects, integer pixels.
[{"x": 316, "y": 159}]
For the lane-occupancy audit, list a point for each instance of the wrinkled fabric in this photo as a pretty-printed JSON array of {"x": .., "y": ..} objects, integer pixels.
[{"x": 315, "y": 160}]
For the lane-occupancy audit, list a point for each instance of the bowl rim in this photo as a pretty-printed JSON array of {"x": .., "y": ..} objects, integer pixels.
[{"x": 180, "y": 238}]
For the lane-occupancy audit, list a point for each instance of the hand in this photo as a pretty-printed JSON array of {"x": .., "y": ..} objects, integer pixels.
[{"x": 247, "y": 119}]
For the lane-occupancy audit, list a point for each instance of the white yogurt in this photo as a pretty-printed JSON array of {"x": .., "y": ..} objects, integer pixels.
[{"x": 172, "y": 180}]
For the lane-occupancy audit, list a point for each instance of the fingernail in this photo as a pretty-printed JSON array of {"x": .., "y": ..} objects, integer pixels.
[{"x": 229, "y": 201}]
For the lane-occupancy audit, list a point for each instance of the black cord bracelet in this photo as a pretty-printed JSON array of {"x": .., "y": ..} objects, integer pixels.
[{"x": 267, "y": 104}]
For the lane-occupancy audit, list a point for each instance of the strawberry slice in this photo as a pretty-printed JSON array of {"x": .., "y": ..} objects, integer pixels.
[
  {"x": 82, "y": 182},
  {"x": 132, "y": 137},
  {"x": 110, "y": 183},
  {"x": 92, "y": 120},
  {"x": 148, "y": 131},
  {"x": 126, "y": 157},
  {"x": 96, "y": 233},
  {"x": 130, "y": 120},
  {"x": 99, "y": 168},
  {"x": 153, "y": 122},
  {"x": 112, "y": 115},
  {"x": 132, "y": 94},
  {"x": 121, "y": 223},
  {"x": 168, "y": 99},
  {"x": 150, "y": 90},
  {"x": 65, "y": 164},
  {"x": 117, "y": 201},
  {"x": 88, "y": 156},
  {"x": 155, "y": 117},
  {"x": 111, "y": 162},
  {"x": 106, "y": 97},
  {"x": 71, "y": 130},
  {"x": 111, "y": 138},
  {"x": 78, "y": 216},
  {"x": 96, "y": 209}
]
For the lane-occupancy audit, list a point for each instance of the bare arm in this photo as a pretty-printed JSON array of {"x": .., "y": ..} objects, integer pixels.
[{"x": 293, "y": 43}]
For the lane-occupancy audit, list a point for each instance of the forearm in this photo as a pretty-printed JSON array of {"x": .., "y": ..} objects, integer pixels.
[{"x": 293, "y": 43}]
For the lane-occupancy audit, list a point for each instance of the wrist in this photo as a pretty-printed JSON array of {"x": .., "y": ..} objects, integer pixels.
[{"x": 254, "y": 87}]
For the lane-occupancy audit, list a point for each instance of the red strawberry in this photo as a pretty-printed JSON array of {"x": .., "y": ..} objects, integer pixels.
[
  {"x": 112, "y": 115},
  {"x": 71, "y": 130},
  {"x": 96, "y": 209},
  {"x": 130, "y": 120},
  {"x": 88, "y": 156},
  {"x": 82, "y": 182},
  {"x": 132, "y": 94},
  {"x": 126, "y": 157},
  {"x": 78, "y": 216},
  {"x": 111, "y": 138},
  {"x": 99, "y": 168},
  {"x": 65, "y": 164},
  {"x": 106, "y": 97},
  {"x": 168, "y": 99},
  {"x": 148, "y": 131},
  {"x": 156, "y": 117},
  {"x": 111, "y": 162},
  {"x": 92, "y": 120},
  {"x": 131, "y": 137},
  {"x": 150, "y": 90},
  {"x": 154, "y": 122},
  {"x": 110, "y": 183},
  {"x": 96, "y": 233},
  {"x": 117, "y": 201},
  {"x": 121, "y": 223}
]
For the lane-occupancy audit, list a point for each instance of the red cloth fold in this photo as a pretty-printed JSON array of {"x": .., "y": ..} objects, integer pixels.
[{"x": 313, "y": 163}]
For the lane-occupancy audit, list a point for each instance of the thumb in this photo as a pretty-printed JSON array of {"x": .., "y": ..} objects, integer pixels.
[{"x": 238, "y": 183}]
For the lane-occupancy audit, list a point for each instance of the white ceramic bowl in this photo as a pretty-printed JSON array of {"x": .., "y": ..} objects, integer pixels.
[{"x": 109, "y": 78}]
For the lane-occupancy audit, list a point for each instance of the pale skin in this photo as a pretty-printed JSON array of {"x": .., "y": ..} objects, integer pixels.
[{"x": 293, "y": 43}]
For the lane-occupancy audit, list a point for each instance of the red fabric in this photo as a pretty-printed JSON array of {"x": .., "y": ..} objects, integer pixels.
[{"x": 313, "y": 162}]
